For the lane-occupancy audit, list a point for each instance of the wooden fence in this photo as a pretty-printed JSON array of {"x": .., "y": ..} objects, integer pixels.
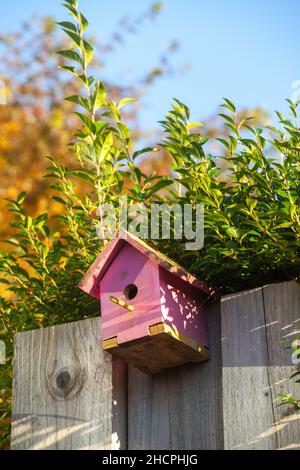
[{"x": 69, "y": 394}]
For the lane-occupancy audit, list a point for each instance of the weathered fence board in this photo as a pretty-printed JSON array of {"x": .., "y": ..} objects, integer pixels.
[
  {"x": 68, "y": 393},
  {"x": 247, "y": 404},
  {"x": 282, "y": 312},
  {"x": 182, "y": 408},
  {"x": 257, "y": 365}
]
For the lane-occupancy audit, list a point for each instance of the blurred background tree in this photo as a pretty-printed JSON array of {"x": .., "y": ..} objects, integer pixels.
[{"x": 37, "y": 122}]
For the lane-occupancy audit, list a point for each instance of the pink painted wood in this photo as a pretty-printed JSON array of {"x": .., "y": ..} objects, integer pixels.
[
  {"x": 161, "y": 297},
  {"x": 182, "y": 308},
  {"x": 90, "y": 282},
  {"x": 130, "y": 267},
  {"x": 165, "y": 292}
]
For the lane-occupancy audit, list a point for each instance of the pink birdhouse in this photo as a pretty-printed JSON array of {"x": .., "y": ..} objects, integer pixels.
[{"x": 153, "y": 312}]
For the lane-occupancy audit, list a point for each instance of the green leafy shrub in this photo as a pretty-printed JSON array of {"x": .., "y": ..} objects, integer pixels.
[{"x": 251, "y": 205}]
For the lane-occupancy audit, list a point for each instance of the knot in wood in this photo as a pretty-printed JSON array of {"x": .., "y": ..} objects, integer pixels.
[
  {"x": 63, "y": 380},
  {"x": 66, "y": 383}
]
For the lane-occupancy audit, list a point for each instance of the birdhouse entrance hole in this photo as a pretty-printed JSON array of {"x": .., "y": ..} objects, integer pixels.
[{"x": 130, "y": 291}]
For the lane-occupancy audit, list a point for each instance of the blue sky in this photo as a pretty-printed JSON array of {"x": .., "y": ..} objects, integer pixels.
[{"x": 247, "y": 51}]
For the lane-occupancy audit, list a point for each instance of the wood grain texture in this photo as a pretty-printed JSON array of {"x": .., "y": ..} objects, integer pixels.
[
  {"x": 282, "y": 314},
  {"x": 247, "y": 402},
  {"x": 67, "y": 393},
  {"x": 181, "y": 408},
  {"x": 257, "y": 329}
]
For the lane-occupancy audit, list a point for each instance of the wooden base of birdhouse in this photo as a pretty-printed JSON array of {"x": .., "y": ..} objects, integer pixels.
[{"x": 161, "y": 349}]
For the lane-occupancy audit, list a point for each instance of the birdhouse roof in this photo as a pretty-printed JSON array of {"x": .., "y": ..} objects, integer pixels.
[{"x": 90, "y": 282}]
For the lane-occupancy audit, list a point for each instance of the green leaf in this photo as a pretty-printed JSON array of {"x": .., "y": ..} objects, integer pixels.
[
  {"x": 71, "y": 55},
  {"x": 232, "y": 232},
  {"x": 125, "y": 101},
  {"x": 90, "y": 80},
  {"x": 251, "y": 203},
  {"x": 227, "y": 118},
  {"x": 83, "y": 176},
  {"x": 296, "y": 374},
  {"x": 144, "y": 150},
  {"x": 59, "y": 199},
  {"x": 108, "y": 143},
  {"x": 87, "y": 121},
  {"x": 28, "y": 221},
  {"x": 284, "y": 225},
  {"x": 283, "y": 193},
  {"x": 158, "y": 186},
  {"x": 74, "y": 36},
  {"x": 136, "y": 171},
  {"x": 99, "y": 126},
  {"x": 183, "y": 107},
  {"x": 71, "y": 7},
  {"x": 13, "y": 242},
  {"x": 83, "y": 21},
  {"x": 99, "y": 95},
  {"x": 45, "y": 252},
  {"x": 68, "y": 69},
  {"x": 41, "y": 220},
  {"x": 80, "y": 100},
  {"x": 88, "y": 52},
  {"x": 193, "y": 125},
  {"x": 21, "y": 197},
  {"x": 68, "y": 25},
  {"x": 229, "y": 105},
  {"x": 224, "y": 142}
]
